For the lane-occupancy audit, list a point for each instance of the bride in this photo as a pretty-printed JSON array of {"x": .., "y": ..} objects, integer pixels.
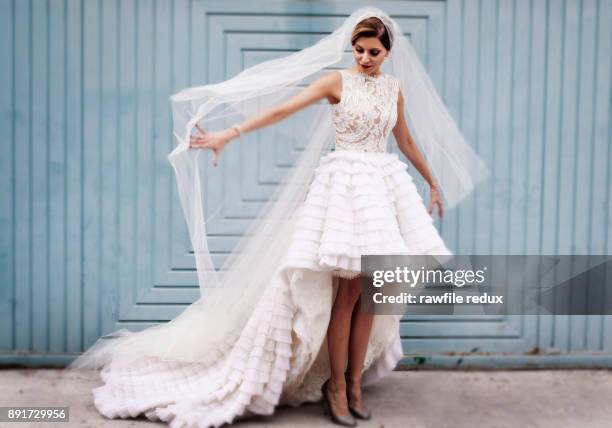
[{"x": 280, "y": 321}]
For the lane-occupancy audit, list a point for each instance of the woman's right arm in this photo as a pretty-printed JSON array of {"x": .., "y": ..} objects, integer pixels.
[
  {"x": 317, "y": 90},
  {"x": 324, "y": 87}
]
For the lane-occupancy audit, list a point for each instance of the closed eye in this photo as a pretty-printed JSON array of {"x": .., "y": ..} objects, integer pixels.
[{"x": 373, "y": 52}]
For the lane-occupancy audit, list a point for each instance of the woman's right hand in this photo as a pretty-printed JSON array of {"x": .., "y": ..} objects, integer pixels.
[{"x": 214, "y": 141}]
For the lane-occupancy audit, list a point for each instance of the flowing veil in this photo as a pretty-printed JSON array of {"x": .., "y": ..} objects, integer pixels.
[{"x": 206, "y": 329}]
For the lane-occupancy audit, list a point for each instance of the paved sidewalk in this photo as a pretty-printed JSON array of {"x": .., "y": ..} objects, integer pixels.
[{"x": 424, "y": 398}]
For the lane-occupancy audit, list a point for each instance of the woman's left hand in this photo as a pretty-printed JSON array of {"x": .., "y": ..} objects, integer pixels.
[{"x": 435, "y": 199}]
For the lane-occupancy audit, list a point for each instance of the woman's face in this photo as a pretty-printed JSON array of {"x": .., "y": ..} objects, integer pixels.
[{"x": 369, "y": 54}]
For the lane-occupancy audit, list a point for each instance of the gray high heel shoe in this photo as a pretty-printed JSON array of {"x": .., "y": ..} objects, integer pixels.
[
  {"x": 363, "y": 414},
  {"x": 344, "y": 420}
]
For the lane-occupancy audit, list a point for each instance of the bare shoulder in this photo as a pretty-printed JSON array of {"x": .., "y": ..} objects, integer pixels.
[
  {"x": 329, "y": 79},
  {"x": 396, "y": 82},
  {"x": 330, "y": 84}
]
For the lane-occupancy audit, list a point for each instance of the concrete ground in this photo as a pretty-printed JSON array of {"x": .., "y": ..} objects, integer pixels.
[{"x": 424, "y": 398}]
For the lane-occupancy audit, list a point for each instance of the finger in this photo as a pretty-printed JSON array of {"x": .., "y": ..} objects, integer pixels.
[
  {"x": 430, "y": 208},
  {"x": 200, "y": 129},
  {"x": 207, "y": 145},
  {"x": 202, "y": 144},
  {"x": 199, "y": 146},
  {"x": 195, "y": 140},
  {"x": 215, "y": 158},
  {"x": 441, "y": 209}
]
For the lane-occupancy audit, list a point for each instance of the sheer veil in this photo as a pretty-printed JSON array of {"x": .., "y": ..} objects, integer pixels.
[{"x": 206, "y": 329}]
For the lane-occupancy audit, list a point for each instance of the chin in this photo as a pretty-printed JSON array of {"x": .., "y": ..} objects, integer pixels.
[{"x": 370, "y": 69}]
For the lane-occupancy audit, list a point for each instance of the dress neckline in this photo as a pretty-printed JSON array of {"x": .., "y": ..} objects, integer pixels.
[{"x": 365, "y": 76}]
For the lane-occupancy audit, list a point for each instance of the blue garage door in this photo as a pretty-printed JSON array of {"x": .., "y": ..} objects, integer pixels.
[{"x": 91, "y": 233}]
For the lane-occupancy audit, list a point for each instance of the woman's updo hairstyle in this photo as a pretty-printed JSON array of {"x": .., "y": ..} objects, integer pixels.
[{"x": 373, "y": 27}]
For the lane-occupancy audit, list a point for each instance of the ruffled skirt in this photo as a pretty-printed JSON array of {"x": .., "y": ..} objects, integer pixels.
[
  {"x": 361, "y": 203},
  {"x": 358, "y": 203}
]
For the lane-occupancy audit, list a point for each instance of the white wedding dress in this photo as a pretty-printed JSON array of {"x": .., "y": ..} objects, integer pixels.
[{"x": 361, "y": 201}]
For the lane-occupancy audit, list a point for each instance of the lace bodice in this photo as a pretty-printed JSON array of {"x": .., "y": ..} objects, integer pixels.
[{"x": 366, "y": 113}]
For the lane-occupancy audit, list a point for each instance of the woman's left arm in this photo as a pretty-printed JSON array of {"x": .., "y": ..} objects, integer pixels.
[{"x": 409, "y": 148}]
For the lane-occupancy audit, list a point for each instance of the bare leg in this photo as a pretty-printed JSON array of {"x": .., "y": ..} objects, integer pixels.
[
  {"x": 338, "y": 341},
  {"x": 361, "y": 326}
]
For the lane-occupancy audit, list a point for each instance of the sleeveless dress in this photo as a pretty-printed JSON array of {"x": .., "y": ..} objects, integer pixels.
[{"x": 360, "y": 201}]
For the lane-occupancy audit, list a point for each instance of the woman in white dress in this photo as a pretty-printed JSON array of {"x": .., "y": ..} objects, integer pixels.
[
  {"x": 252, "y": 346},
  {"x": 366, "y": 105}
]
